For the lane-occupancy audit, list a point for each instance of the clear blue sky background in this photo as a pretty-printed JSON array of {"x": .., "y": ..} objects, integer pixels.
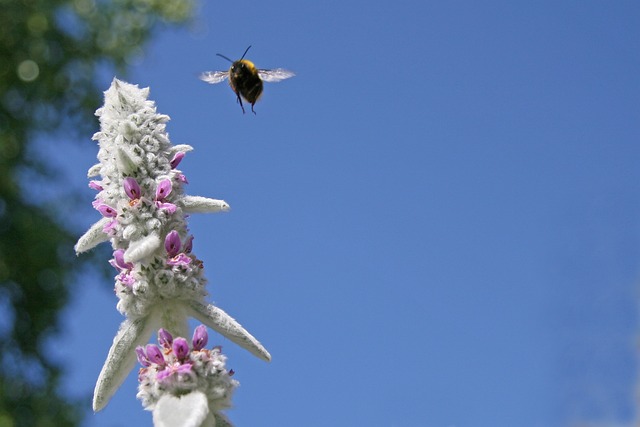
[{"x": 435, "y": 223}]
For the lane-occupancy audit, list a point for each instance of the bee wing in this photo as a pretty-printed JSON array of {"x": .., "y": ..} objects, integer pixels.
[
  {"x": 214, "y": 77},
  {"x": 275, "y": 75}
]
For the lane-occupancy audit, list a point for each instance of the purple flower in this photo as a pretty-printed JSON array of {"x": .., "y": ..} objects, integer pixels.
[
  {"x": 173, "y": 369},
  {"x": 126, "y": 279},
  {"x": 165, "y": 339},
  {"x": 169, "y": 207},
  {"x": 180, "y": 259},
  {"x": 110, "y": 228},
  {"x": 106, "y": 210},
  {"x": 163, "y": 190},
  {"x": 142, "y": 357},
  {"x": 119, "y": 262},
  {"x": 174, "y": 164},
  {"x": 154, "y": 354},
  {"x": 180, "y": 348},
  {"x": 172, "y": 243},
  {"x": 188, "y": 244},
  {"x": 177, "y": 158},
  {"x": 123, "y": 267},
  {"x": 200, "y": 337},
  {"x": 95, "y": 185},
  {"x": 132, "y": 189},
  {"x": 164, "y": 374}
]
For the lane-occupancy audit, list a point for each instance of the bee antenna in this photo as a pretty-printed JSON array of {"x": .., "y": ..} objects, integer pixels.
[
  {"x": 245, "y": 52},
  {"x": 222, "y": 56}
]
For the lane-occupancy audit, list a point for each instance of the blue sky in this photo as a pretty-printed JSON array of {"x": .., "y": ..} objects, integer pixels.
[{"x": 435, "y": 223}]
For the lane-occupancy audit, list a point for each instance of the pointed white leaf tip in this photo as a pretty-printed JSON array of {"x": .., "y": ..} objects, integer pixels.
[
  {"x": 93, "y": 237},
  {"x": 197, "y": 204},
  {"x": 121, "y": 358},
  {"x": 218, "y": 320}
]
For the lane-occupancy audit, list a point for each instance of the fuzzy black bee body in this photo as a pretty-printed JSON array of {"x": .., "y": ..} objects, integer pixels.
[{"x": 245, "y": 79}]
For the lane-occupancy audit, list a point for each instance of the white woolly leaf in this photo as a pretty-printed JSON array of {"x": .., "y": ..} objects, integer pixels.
[
  {"x": 221, "y": 322},
  {"x": 121, "y": 358},
  {"x": 185, "y": 148},
  {"x": 198, "y": 204},
  {"x": 141, "y": 249},
  {"x": 94, "y": 170},
  {"x": 93, "y": 237}
]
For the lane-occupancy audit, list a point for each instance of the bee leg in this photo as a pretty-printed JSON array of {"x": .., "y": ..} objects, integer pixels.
[
  {"x": 252, "y": 110},
  {"x": 240, "y": 102}
]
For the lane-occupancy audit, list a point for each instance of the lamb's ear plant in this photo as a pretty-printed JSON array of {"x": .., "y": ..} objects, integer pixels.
[{"x": 159, "y": 281}]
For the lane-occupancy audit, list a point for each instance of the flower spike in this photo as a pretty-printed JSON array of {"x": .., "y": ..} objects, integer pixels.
[{"x": 160, "y": 281}]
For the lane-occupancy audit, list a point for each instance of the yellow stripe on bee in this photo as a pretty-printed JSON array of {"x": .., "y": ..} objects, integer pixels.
[{"x": 248, "y": 64}]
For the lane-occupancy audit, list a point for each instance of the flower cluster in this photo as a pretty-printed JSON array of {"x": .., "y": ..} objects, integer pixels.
[
  {"x": 159, "y": 281},
  {"x": 141, "y": 199},
  {"x": 173, "y": 368}
]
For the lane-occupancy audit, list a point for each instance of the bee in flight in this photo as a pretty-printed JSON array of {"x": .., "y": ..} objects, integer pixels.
[{"x": 245, "y": 79}]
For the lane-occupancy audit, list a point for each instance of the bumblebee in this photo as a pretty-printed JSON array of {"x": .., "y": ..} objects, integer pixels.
[{"x": 245, "y": 79}]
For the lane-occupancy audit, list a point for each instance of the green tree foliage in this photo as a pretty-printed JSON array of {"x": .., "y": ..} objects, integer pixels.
[{"x": 51, "y": 54}]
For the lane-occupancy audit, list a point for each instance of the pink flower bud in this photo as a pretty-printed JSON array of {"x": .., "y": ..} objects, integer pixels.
[
  {"x": 154, "y": 354},
  {"x": 132, "y": 188},
  {"x": 177, "y": 159},
  {"x": 163, "y": 190},
  {"x": 165, "y": 338},
  {"x": 180, "y": 348},
  {"x": 200, "y": 337},
  {"x": 106, "y": 210},
  {"x": 172, "y": 243}
]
